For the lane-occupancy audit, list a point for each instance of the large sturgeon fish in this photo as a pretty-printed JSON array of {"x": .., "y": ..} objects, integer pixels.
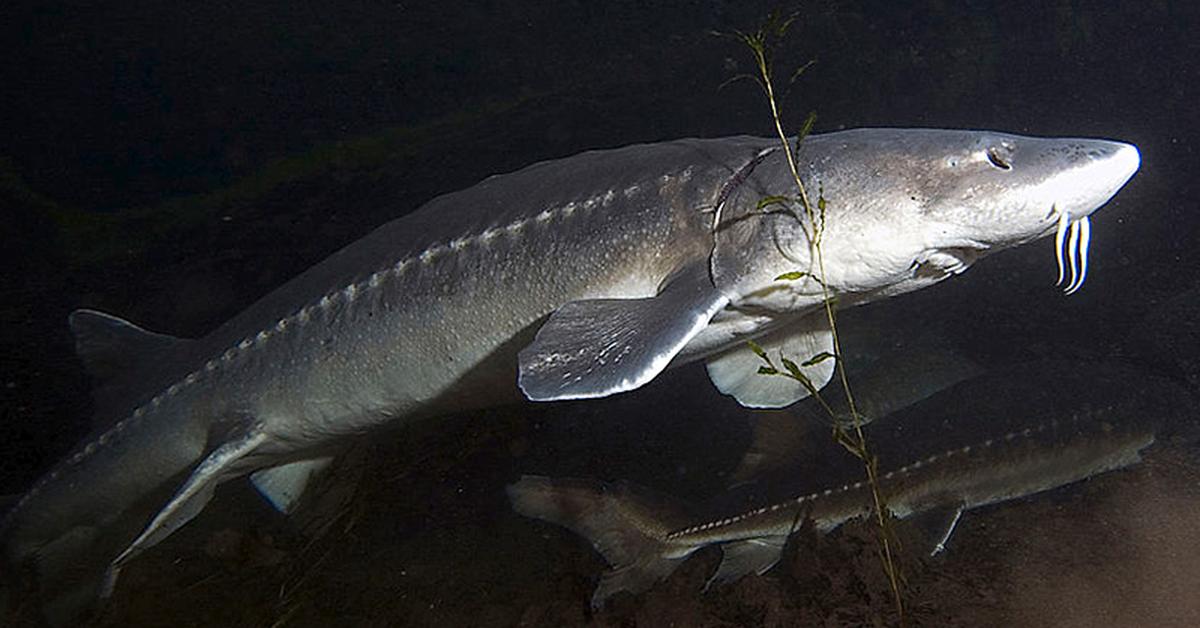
[
  {"x": 989, "y": 440},
  {"x": 575, "y": 278}
]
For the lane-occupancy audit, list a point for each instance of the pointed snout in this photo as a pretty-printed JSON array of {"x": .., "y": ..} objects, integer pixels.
[
  {"x": 1093, "y": 172},
  {"x": 1113, "y": 164},
  {"x": 1123, "y": 161}
]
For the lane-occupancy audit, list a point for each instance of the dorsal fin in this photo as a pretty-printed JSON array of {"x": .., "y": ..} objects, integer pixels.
[{"x": 110, "y": 346}]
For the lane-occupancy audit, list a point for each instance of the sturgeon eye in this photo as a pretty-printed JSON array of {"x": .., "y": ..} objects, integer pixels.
[{"x": 996, "y": 160}]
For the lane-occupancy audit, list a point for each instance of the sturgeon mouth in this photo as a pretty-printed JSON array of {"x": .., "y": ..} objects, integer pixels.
[{"x": 944, "y": 262}]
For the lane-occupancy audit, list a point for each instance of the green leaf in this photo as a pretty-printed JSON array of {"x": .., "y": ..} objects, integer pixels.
[
  {"x": 758, "y": 350},
  {"x": 852, "y": 446},
  {"x": 767, "y": 370},
  {"x": 792, "y": 276},
  {"x": 739, "y": 77},
  {"x": 795, "y": 373},
  {"x": 795, "y": 75},
  {"x": 805, "y": 129},
  {"x": 817, "y": 359},
  {"x": 767, "y": 201},
  {"x": 781, "y": 24},
  {"x": 793, "y": 369}
]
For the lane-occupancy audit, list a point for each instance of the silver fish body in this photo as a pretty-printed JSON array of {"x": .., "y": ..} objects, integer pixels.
[{"x": 574, "y": 278}]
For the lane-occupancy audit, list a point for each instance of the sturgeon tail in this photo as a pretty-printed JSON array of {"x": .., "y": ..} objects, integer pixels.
[
  {"x": 627, "y": 524},
  {"x": 59, "y": 542}
]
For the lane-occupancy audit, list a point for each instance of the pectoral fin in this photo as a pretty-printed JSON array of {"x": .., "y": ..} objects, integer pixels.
[
  {"x": 599, "y": 347},
  {"x": 735, "y": 372}
]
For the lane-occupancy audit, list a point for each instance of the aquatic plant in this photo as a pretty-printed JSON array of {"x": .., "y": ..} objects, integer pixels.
[{"x": 761, "y": 44}]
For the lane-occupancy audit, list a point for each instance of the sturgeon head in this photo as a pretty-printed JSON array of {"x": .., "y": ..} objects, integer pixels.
[
  {"x": 905, "y": 208},
  {"x": 893, "y": 210}
]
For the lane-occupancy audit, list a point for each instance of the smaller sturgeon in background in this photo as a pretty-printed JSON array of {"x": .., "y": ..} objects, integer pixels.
[{"x": 984, "y": 457}]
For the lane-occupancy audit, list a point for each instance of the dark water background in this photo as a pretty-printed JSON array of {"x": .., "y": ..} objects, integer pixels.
[{"x": 172, "y": 162}]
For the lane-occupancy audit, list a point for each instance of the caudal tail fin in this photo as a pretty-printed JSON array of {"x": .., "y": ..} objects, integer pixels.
[
  {"x": 60, "y": 583},
  {"x": 627, "y": 524}
]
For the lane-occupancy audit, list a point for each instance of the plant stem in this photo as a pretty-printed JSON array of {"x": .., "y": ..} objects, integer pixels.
[{"x": 757, "y": 43}]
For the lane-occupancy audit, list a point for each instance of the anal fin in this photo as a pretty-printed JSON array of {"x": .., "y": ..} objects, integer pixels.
[{"x": 283, "y": 485}]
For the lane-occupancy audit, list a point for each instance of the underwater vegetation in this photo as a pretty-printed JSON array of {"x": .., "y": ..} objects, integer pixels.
[{"x": 850, "y": 433}]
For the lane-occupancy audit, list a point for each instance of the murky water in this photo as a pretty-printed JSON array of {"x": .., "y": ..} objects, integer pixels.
[{"x": 172, "y": 166}]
